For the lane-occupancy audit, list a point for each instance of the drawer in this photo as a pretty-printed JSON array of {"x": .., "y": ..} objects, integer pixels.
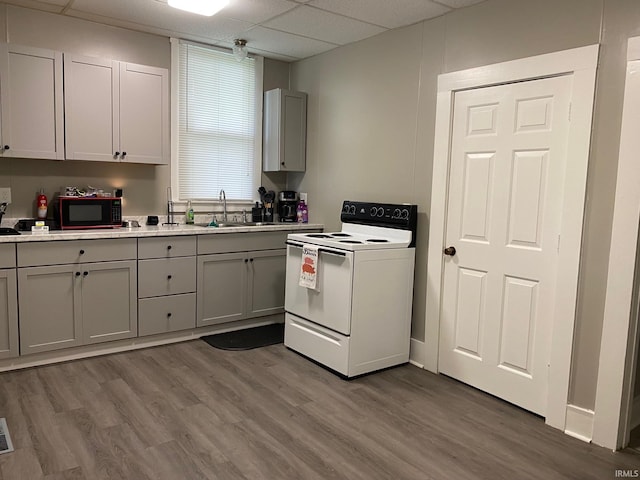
[
  {"x": 166, "y": 247},
  {"x": 166, "y": 314},
  {"x": 320, "y": 344},
  {"x": 166, "y": 276},
  {"x": 240, "y": 242},
  {"x": 76, "y": 251},
  {"x": 7, "y": 255}
]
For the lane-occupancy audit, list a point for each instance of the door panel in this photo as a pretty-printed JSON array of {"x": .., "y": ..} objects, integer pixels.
[{"x": 504, "y": 202}]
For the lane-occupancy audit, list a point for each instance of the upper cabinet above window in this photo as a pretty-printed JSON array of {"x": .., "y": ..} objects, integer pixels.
[
  {"x": 31, "y": 98},
  {"x": 116, "y": 111}
]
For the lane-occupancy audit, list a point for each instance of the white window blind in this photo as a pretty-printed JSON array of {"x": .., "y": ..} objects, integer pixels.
[{"x": 218, "y": 131}]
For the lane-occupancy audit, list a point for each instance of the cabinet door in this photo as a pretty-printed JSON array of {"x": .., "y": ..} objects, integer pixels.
[
  {"x": 31, "y": 102},
  {"x": 8, "y": 314},
  {"x": 144, "y": 114},
  {"x": 91, "y": 108},
  {"x": 50, "y": 308},
  {"x": 109, "y": 301},
  {"x": 294, "y": 128},
  {"x": 267, "y": 270},
  {"x": 222, "y": 288}
]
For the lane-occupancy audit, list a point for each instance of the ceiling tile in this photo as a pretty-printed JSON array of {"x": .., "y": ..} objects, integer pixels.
[
  {"x": 256, "y": 11},
  {"x": 460, "y": 3},
  {"x": 322, "y": 25},
  {"x": 53, "y": 6},
  {"x": 386, "y": 13},
  {"x": 286, "y": 43}
]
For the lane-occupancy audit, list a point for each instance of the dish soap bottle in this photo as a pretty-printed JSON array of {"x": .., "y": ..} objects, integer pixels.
[
  {"x": 42, "y": 205},
  {"x": 189, "y": 214},
  {"x": 302, "y": 212}
]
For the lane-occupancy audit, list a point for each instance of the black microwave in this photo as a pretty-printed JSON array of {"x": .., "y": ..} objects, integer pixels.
[{"x": 88, "y": 212}]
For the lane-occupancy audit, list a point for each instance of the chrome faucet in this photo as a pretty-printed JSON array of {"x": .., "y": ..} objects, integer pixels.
[{"x": 223, "y": 199}]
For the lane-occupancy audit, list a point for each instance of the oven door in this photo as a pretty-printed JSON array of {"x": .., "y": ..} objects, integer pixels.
[{"x": 329, "y": 304}]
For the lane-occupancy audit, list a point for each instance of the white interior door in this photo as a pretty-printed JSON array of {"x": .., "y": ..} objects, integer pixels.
[{"x": 507, "y": 169}]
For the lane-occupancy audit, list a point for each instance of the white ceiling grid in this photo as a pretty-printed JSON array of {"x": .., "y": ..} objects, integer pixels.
[{"x": 287, "y": 30}]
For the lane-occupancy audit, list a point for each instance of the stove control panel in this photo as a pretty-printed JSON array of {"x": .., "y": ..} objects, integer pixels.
[{"x": 403, "y": 216}]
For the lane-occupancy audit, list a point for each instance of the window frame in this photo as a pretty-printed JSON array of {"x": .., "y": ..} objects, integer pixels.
[{"x": 173, "y": 192}]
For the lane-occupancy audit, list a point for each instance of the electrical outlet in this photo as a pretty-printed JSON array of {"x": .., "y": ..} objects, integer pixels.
[{"x": 5, "y": 195}]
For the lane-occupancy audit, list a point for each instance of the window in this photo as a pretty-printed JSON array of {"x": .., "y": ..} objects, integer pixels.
[{"x": 216, "y": 123}]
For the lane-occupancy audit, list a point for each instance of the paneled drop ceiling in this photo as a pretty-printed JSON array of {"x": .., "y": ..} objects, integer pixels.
[{"x": 286, "y": 30}]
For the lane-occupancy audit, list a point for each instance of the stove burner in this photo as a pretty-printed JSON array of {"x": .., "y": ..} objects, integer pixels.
[
  {"x": 377, "y": 240},
  {"x": 349, "y": 241},
  {"x": 340, "y": 234},
  {"x": 317, "y": 235}
]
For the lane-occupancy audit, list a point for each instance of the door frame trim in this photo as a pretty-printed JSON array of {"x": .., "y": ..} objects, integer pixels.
[
  {"x": 581, "y": 64},
  {"x": 618, "y": 347}
]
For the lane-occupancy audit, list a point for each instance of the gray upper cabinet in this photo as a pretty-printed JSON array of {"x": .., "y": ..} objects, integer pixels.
[
  {"x": 31, "y": 103},
  {"x": 116, "y": 111},
  {"x": 285, "y": 131}
]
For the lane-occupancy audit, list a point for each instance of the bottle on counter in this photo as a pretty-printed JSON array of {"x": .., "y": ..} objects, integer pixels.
[
  {"x": 302, "y": 213},
  {"x": 189, "y": 213},
  {"x": 42, "y": 206}
]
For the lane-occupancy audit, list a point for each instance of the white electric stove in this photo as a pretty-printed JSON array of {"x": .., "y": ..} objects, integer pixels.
[{"x": 357, "y": 317}]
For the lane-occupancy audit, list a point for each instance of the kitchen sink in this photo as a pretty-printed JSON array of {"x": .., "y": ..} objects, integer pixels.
[{"x": 234, "y": 224}]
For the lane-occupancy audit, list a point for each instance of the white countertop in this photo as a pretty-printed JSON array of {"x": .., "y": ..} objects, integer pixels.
[{"x": 153, "y": 231}]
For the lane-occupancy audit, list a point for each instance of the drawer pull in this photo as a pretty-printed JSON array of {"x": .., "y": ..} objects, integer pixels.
[
  {"x": 246, "y": 260},
  {"x": 168, "y": 277},
  {"x": 77, "y": 274},
  {"x": 81, "y": 252},
  {"x": 168, "y": 247},
  {"x": 84, "y": 274},
  {"x": 169, "y": 314}
]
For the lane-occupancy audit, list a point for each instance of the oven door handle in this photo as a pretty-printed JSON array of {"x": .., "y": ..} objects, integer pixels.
[{"x": 320, "y": 249}]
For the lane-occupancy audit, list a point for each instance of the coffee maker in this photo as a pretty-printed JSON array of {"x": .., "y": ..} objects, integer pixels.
[{"x": 287, "y": 205}]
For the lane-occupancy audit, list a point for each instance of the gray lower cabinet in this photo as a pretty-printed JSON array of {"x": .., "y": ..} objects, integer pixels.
[
  {"x": 64, "y": 306},
  {"x": 73, "y": 293},
  {"x": 8, "y": 302},
  {"x": 235, "y": 286},
  {"x": 167, "y": 284}
]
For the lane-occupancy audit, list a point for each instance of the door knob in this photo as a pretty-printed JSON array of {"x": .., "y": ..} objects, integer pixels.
[{"x": 451, "y": 251}]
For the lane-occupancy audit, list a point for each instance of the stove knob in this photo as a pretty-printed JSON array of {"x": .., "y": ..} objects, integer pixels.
[
  {"x": 352, "y": 210},
  {"x": 380, "y": 211},
  {"x": 373, "y": 211},
  {"x": 405, "y": 214},
  {"x": 345, "y": 208},
  {"x": 396, "y": 213}
]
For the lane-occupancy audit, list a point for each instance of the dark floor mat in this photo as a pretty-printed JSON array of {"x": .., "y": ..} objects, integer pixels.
[{"x": 248, "y": 338}]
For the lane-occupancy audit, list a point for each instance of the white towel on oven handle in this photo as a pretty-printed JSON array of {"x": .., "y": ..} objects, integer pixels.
[{"x": 309, "y": 267}]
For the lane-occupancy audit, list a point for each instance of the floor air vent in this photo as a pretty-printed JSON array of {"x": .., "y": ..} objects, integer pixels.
[{"x": 5, "y": 440}]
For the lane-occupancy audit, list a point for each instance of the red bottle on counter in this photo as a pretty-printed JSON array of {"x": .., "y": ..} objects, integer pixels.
[{"x": 41, "y": 203}]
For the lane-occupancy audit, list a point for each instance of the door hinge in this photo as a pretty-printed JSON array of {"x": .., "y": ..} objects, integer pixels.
[{"x": 558, "y": 248}]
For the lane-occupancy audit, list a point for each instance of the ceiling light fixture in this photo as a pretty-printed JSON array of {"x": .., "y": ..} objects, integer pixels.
[
  {"x": 240, "y": 49},
  {"x": 201, "y": 7}
]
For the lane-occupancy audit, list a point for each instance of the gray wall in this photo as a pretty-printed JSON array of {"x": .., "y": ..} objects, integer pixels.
[
  {"x": 144, "y": 185},
  {"x": 372, "y": 115}
]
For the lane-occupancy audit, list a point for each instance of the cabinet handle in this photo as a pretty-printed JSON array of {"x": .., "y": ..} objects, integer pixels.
[
  {"x": 77, "y": 274},
  {"x": 246, "y": 260},
  {"x": 168, "y": 277},
  {"x": 169, "y": 314},
  {"x": 84, "y": 274},
  {"x": 124, "y": 154},
  {"x": 168, "y": 247},
  {"x": 6, "y": 147},
  {"x": 251, "y": 259},
  {"x": 282, "y": 163},
  {"x": 81, "y": 252},
  {"x": 116, "y": 154}
]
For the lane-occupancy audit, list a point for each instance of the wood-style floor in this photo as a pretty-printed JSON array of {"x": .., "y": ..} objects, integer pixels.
[{"x": 190, "y": 411}]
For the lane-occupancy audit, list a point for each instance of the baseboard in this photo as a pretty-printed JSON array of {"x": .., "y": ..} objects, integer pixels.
[
  {"x": 416, "y": 353},
  {"x": 579, "y": 423}
]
